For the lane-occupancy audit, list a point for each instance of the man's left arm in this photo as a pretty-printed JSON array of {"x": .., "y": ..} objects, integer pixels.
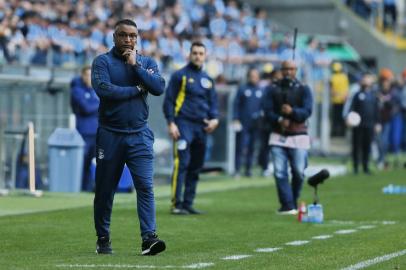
[
  {"x": 302, "y": 113},
  {"x": 150, "y": 78}
]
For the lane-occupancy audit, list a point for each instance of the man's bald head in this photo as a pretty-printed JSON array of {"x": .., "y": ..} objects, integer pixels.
[{"x": 289, "y": 69}]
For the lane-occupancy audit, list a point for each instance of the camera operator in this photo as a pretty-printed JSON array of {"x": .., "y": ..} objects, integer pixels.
[{"x": 287, "y": 105}]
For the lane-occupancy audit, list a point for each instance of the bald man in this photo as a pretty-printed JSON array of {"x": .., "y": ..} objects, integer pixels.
[{"x": 287, "y": 105}]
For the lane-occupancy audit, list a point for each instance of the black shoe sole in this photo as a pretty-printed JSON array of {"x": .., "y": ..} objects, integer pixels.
[
  {"x": 100, "y": 252},
  {"x": 154, "y": 249}
]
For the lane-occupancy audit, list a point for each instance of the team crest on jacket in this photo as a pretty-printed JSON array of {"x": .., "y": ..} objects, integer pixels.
[
  {"x": 191, "y": 80},
  {"x": 100, "y": 154},
  {"x": 206, "y": 83}
]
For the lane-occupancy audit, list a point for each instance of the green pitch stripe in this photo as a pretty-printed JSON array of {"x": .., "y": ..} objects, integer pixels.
[{"x": 17, "y": 203}]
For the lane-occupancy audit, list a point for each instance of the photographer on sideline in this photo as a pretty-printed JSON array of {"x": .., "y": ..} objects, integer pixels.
[{"x": 287, "y": 105}]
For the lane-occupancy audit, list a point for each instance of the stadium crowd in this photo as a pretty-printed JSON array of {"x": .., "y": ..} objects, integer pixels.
[
  {"x": 76, "y": 31},
  {"x": 71, "y": 33}
]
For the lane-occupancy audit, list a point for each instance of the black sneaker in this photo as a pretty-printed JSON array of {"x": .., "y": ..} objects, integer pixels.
[
  {"x": 193, "y": 211},
  {"x": 152, "y": 245},
  {"x": 103, "y": 246}
]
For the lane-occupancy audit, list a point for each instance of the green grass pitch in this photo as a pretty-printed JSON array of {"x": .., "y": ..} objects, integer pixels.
[{"x": 56, "y": 231}]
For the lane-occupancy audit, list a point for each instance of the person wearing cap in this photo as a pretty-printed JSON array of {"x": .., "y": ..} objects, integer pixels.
[
  {"x": 339, "y": 88},
  {"x": 391, "y": 117}
]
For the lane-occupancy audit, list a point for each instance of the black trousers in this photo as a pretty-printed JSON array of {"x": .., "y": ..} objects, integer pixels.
[{"x": 361, "y": 147}]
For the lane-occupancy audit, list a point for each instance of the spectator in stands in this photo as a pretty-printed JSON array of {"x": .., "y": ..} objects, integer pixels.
[
  {"x": 122, "y": 79},
  {"x": 339, "y": 88},
  {"x": 287, "y": 106},
  {"x": 190, "y": 108},
  {"x": 85, "y": 105},
  {"x": 246, "y": 121},
  {"x": 365, "y": 103}
]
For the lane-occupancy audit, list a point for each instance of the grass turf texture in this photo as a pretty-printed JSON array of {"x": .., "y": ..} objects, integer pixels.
[{"x": 240, "y": 218}]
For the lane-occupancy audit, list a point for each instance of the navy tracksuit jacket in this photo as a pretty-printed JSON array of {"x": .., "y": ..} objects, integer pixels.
[
  {"x": 123, "y": 136},
  {"x": 85, "y": 105},
  {"x": 190, "y": 98},
  {"x": 247, "y": 110}
]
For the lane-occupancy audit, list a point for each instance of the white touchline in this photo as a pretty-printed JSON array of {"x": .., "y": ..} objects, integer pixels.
[
  {"x": 376, "y": 260},
  {"x": 236, "y": 257},
  {"x": 297, "y": 243},
  {"x": 136, "y": 266},
  {"x": 366, "y": 227},
  {"x": 267, "y": 249},
  {"x": 346, "y": 231},
  {"x": 322, "y": 237}
]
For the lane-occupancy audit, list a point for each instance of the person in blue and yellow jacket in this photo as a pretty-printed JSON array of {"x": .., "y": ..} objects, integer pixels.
[{"x": 190, "y": 108}]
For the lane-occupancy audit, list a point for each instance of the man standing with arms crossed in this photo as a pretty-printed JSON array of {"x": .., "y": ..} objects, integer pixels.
[
  {"x": 190, "y": 108},
  {"x": 287, "y": 105},
  {"x": 123, "y": 79}
]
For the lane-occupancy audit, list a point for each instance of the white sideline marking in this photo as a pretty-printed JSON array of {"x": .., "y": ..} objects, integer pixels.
[
  {"x": 322, "y": 237},
  {"x": 198, "y": 265},
  {"x": 345, "y": 231},
  {"x": 386, "y": 222},
  {"x": 343, "y": 222},
  {"x": 376, "y": 260},
  {"x": 267, "y": 249},
  {"x": 136, "y": 266},
  {"x": 297, "y": 243},
  {"x": 236, "y": 257},
  {"x": 366, "y": 227}
]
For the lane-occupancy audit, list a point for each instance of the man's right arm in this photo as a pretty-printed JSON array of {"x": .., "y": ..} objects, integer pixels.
[{"x": 101, "y": 82}]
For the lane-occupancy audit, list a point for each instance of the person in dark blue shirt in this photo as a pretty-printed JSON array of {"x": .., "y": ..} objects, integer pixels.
[
  {"x": 123, "y": 80},
  {"x": 190, "y": 108},
  {"x": 85, "y": 105},
  {"x": 365, "y": 103},
  {"x": 246, "y": 117}
]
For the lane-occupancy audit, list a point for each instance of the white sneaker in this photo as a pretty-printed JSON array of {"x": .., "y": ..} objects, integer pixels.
[{"x": 287, "y": 212}]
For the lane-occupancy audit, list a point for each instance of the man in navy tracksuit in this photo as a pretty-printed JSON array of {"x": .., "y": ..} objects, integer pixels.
[
  {"x": 85, "y": 105},
  {"x": 123, "y": 79},
  {"x": 190, "y": 108},
  {"x": 247, "y": 113}
]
